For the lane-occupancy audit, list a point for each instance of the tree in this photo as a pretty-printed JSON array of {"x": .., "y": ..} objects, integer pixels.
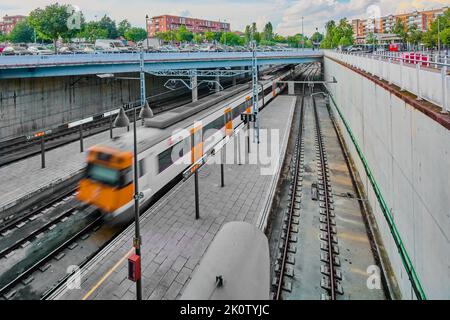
[
  {"x": 231, "y": 39},
  {"x": 136, "y": 34},
  {"x": 110, "y": 25},
  {"x": 51, "y": 23},
  {"x": 267, "y": 34},
  {"x": 247, "y": 34},
  {"x": 441, "y": 25},
  {"x": 337, "y": 35},
  {"x": 317, "y": 37},
  {"x": 183, "y": 34},
  {"x": 198, "y": 38},
  {"x": 279, "y": 39},
  {"x": 22, "y": 32},
  {"x": 93, "y": 31},
  {"x": 371, "y": 39},
  {"x": 209, "y": 36},
  {"x": 167, "y": 36},
  {"x": 400, "y": 30},
  {"x": 123, "y": 27},
  {"x": 414, "y": 35}
]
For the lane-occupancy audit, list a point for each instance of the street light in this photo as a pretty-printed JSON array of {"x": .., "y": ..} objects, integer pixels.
[
  {"x": 303, "y": 36},
  {"x": 146, "y": 28},
  {"x": 123, "y": 121}
]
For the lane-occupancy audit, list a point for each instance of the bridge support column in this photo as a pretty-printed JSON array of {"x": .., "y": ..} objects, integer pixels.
[
  {"x": 291, "y": 88},
  {"x": 217, "y": 85},
  {"x": 194, "y": 88},
  {"x": 234, "y": 81}
]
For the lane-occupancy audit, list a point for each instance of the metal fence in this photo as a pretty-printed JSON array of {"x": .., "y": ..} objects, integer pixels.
[
  {"x": 424, "y": 75},
  {"x": 114, "y": 58}
]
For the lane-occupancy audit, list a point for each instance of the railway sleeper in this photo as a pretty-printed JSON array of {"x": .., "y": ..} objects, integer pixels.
[
  {"x": 325, "y": 257},
  {"x": 324, "y": 227},
  {"x": 324, "y": 237},
  {"x": 322, "y": 199},
  {"x": 324, "y": 219},
  {"x": 294, "y": 220},
  {"x": 325, "y": 213},
  {"x": 330, "y": 206},
  {"x": 325, "y": 270},
  {"x": 324, "y": 247},
  {"x": 325, "y": 284}
]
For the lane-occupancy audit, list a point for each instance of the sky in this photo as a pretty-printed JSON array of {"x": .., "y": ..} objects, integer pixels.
[{"x": 285, "y": 15}]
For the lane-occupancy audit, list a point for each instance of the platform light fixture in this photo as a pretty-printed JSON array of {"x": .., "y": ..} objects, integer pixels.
[{"x": 123, "y": 121}]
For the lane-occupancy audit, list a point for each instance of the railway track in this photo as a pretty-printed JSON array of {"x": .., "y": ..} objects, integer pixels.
[
  {"x": 7, "y": 288},
  {"x": 328, "y": 232},
  {"x": 291, "y": 220}
]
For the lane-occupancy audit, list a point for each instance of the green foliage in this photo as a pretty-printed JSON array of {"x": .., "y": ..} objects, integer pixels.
[
  {"x": 231, "y": 39},
  {"x": 371, "y": 39},
  {"x": 167, "y": 36},
  {"x": 400, "y": 30},
  {"x": 209, "y": 36},
  {"x": 279, "y": 39},
  {"x": 110, "y": 25},
  {"x": 317, "y": 37},
  {"x": 441, "y": 26},
  {"x": 22, "y": 32},
  {"x": 51, "y": 23},
  {"x": 414, "y": 35},
  {"x": 298, "y": 41},
  {"x": 198, "y": 38},
  {"x": 136, "y": 34},
  {"x": 184, "y": 35},
  {"x": 93, "y": 31},
  {"x": 267, "y": 34},
  {"x": 123, "y": 27},
  {"x": 337, "y": 35}
]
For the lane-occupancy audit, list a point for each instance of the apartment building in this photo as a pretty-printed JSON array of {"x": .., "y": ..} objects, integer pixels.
[
  {"x": 423, "y": 20},
  {"x": 8, "y": 23},
  {"x": 172, "y": 23}
]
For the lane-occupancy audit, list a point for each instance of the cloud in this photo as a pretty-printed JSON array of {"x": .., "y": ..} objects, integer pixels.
[{"x": 317, "y": 12}]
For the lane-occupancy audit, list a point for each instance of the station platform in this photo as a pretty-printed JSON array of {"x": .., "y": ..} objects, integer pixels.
[{"x": 173, "y": 241}]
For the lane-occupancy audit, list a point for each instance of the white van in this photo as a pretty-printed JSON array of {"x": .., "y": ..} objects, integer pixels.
[{"x": 109, "y": 45}]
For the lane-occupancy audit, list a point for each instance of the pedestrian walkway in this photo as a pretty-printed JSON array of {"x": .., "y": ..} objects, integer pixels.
[{"x": 173, "y": 242}]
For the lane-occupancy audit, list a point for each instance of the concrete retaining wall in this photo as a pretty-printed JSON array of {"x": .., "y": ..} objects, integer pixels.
[
  {"x": 29, "y": 105},
  {"x": 409, "y": 156}
]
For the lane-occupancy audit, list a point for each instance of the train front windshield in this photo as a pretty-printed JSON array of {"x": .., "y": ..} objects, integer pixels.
[{"x": 103, "y": 174}]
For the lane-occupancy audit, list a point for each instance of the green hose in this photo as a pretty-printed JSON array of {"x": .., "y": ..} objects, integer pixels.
[{"x": 414, "y": 279}]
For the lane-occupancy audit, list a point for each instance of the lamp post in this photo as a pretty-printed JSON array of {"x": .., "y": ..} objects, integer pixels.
[
  {"x": 439, "y": 38},
  {"x": 303, "y": 36},
  {"x": 123, "y": 121},
  {"x": 146, "y": 28}
]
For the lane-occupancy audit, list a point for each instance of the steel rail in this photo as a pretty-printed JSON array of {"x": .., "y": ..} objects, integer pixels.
[
  {"x": 291, "y": 204},
  {"x": 325, "y": 181}
]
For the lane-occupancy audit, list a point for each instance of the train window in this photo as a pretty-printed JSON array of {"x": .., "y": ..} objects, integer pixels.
[
  {"x": 103, "y": 174},
  {"x": 104, "y": 156},
  {"x": 172, "y": 154},
  {"x": 141, "y": 166},
  {"x": 213, "y": 127},
  {"x": 126, "y": 177}
]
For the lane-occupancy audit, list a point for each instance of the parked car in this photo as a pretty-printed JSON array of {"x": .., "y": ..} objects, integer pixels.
[
  {"x": 15, "y": 50},
  {"x": 39, "y": 50}
]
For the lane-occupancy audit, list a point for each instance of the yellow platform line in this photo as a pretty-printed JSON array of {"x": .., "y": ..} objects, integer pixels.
[{"x": 107, "y": 274}]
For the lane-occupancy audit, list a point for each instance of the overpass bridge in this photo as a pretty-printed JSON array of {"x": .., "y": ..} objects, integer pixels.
[{"x": 88, "y": 64}]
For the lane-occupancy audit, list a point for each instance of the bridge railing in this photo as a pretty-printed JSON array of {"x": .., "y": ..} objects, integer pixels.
[
  {"x": 428, "y": 80},
  {"x": 111, "y": 58}
]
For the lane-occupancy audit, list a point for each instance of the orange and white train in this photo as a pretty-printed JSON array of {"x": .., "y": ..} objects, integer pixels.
[{"x": 163, "y": 154}]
